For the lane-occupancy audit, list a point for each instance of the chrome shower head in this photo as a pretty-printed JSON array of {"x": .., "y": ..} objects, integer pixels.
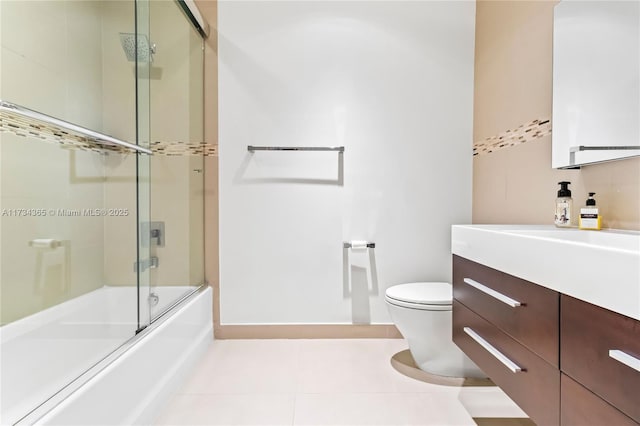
[{"x": 145, "y": 48}]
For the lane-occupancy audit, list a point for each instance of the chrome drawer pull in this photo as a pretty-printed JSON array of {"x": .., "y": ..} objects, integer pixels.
[
  {"x": 493, "y": 351},
  {"x": 501, "y": 297},
  {"x": 625, "y": 358}
]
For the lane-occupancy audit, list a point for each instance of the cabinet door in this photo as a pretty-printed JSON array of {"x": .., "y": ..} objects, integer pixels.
[
  {"x": 580, "y": 407},
  {"x": 601, "y": 350}
]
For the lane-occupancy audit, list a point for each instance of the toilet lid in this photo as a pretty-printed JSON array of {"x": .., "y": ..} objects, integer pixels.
[{"x": 424, "y": 293}]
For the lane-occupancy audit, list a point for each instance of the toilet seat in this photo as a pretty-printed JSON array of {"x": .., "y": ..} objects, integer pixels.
[{"x": 431, "y": 296}]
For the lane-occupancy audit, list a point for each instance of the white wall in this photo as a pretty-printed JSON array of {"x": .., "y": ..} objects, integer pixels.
[{"x": 393, "y": 83}]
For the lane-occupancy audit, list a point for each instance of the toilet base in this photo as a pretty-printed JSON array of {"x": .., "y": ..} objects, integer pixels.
[
  {"x": 404, "y": 364},
  {"x": 428, "y": 334},
  {"x": 445, "y": 359}
]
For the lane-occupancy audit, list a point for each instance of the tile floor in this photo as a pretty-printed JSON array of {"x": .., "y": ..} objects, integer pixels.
[{"x": 321, "y": 382}]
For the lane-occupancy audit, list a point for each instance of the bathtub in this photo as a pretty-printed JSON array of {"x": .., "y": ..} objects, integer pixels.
[{"x": 88, "y": 348}]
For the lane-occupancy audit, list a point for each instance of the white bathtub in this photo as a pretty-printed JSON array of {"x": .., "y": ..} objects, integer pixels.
[{"x": 42, "y": 353}]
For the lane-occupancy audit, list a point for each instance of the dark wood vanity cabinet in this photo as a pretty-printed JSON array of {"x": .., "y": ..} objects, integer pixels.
[
  {"x": 549, "y": 352},
  {"x": 509, "y": 327},
  {"x": 595, "y": 345}
]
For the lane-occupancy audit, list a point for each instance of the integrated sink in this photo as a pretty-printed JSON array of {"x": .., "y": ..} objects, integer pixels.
[
  {"x": 599, "y": 267},
  {"x": 611, "y": 239}
]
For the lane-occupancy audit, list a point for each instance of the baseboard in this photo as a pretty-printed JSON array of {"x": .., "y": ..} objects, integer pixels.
[{"x": 306, "y": 331}]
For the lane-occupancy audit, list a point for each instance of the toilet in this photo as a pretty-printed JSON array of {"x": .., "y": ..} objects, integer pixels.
[{"x": 422, "y": 312}]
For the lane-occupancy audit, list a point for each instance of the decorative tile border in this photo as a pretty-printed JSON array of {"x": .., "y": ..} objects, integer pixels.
[
  {"x": 524, "y": 133},
  {"x": 171, "y": 149},
  {"x": 25, "y": 127}
]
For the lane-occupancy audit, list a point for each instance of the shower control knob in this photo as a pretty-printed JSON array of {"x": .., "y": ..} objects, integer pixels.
[{"x": 153, "y": 299}]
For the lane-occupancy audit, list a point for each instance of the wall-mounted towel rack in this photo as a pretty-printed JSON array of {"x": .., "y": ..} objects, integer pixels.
[
  {"x": 252, "y": 148},
  {"x": 38, "y": 124}
]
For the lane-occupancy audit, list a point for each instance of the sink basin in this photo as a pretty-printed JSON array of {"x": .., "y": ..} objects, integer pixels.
[{"x": 599, "y": 267}]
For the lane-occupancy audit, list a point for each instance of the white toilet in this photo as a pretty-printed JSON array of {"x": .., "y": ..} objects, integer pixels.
[{"x": 422, "y": 313}]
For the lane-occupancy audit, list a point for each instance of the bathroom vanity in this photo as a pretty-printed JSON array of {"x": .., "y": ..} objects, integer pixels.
[{"x": 553, "y": 317}]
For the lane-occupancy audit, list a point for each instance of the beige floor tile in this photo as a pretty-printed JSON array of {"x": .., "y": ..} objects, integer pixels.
[
  {"x": 321, "y": 382},
  {"x": 435, "y": 409},
  {"x": 254, "y": 410},
  {"x": 344, "y": 366},
  {"x": 488, "y": 402},
  {"x": 350, "y": 409},
  {"x": 246, "y": 366},
  {"x": 379, "y": 409},
  {"x": 345, "y": 377}
]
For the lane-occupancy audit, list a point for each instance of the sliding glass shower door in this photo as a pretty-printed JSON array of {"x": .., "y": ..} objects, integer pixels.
[
  {"x": 69, "y": 184},
  {"x": 101, "y": 185},
  {"x": 175, "y": 81}
]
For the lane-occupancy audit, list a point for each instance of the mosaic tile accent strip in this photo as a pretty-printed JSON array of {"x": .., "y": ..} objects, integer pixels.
[
  {"x": 171, "y": 149},
  {"x": 26, "y": 127},
  {"x": 528, "y": 132}
]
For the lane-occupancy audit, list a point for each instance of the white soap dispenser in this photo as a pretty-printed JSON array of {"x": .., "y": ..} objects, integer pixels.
[{"x": 564, "y": 206}]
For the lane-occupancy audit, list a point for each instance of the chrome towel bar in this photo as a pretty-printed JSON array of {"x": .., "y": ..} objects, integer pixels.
[{"x": 252, "y": 148}]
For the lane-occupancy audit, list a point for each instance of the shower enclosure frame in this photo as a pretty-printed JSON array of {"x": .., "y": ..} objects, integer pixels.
[{"x": 147, "y": 324}]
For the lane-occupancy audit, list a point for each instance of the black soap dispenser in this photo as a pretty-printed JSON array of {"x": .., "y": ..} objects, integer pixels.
[{"x": 564, "y": 206}]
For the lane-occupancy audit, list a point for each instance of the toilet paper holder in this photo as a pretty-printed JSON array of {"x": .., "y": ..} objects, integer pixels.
[
  {"x": 45, "y": 243},
  {"x": 358, "y": 244}
]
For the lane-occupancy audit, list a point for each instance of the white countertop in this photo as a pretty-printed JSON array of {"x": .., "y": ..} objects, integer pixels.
[{"x": 599, "y": 267}]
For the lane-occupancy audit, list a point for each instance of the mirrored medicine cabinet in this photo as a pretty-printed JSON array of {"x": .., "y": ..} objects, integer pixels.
[{"x": 596, "y": 82}]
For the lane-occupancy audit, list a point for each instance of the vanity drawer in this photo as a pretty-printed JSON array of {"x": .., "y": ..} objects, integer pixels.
[
  {"x": 536, "y": 389},
  {"x": 589, "y": 333},
  {"x": 495, "y": 296},
  {"x": 581, "y": 407}
]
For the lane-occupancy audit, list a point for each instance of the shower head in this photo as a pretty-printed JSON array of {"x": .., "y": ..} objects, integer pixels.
[{"x": 145, "y": 49}]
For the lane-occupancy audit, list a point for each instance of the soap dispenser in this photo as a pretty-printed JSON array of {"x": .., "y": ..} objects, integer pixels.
[
  {"x": 589, "y": 215},
  {"x": 564, "y": 206}
]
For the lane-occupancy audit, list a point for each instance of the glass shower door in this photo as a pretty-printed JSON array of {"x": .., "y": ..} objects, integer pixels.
[
  {"x": 69, "y": 216},
  {"x": 176, "y": 130},
  {"x": 96, "y": 239}
]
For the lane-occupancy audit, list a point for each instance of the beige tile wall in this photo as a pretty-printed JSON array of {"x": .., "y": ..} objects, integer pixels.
[
  {"x": 176, "y": 182},
  {"x": 55, "y": 69},
  {"x": 177, "y": 116},
  {"x": 120, "y": 232},
  {"x": 119, "y": 112},
  {"x": 118, "y": 81},
  {"x": 64, "y": 58},
  {"x": 513, "y": 75}
]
